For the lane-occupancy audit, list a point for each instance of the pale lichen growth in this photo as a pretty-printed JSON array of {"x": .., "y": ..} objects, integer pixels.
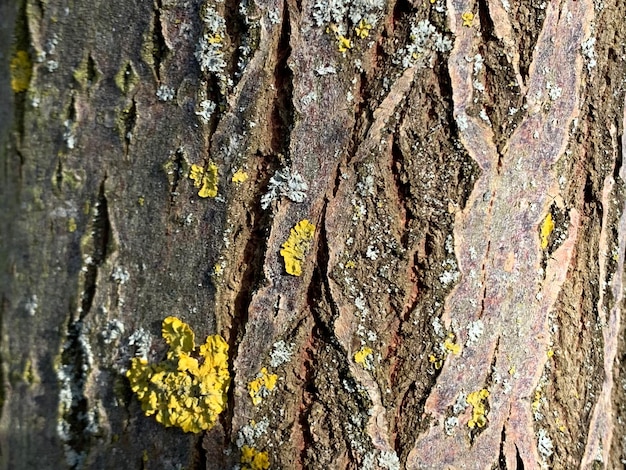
[
  {"x": 589, "y": 52},
  {"x": 262, "y": 385},
  {"x": 281, "y": 353},
  {"x": 285, "y": 183},
  {"x": 209, "y": 53},
  {"x": 188, "y": 388},
  {"x": 207, "y": 108},
  {"x": 165, "y": 93},
  {"x": 296, "y": 246},
  {"x": 424, "y": 41},
  {"x": 389, "y": 460}
]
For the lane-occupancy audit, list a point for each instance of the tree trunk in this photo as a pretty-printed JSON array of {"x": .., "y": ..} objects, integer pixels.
[{"x": 459, "y": 302}]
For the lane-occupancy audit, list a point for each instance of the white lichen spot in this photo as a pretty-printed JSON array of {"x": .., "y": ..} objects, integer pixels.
[
  {"x": 209, "y": 53},
  {"x": 372, "y": 253},
  {"x": 274, "y": 16},
  {"x": 68, "y": 134},
  {"x": 478, "y": 63},
  {"x": 309, "y": 98},
  {"x": 120, "y": 275},
  {"x": 449, "y": 424},
  {"x": 474, "y": 331},
  {"x": 544, "y": 443},
  {"x": 389, "y": 460},
  {"x": 281, "y": 353},
  {"x": 31, "y": 305},
  {"x": 249, "y": 433},
  {"x": 207, "y": 108},
  {"x": 142, "y": 340},
  {"x": 424, "y": 41},
  {"x": 589, "y": 52},
  {"x": 554, "y": 91},
  {"x": 113, "y": 331},
  {"x": 461, "y": 122},
  {"x": 165, "y": 93},
  {"x": 326, "y": 70},
  {"x": 285, "y": 183}
]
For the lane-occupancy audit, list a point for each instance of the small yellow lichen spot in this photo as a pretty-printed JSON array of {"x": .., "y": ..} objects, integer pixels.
[
  {"x": 477, "y": 400},
  {"x": 363, "y": 29},
  {"x": 294, "y": 249},
  {"x": 450, "y": 346},
  {"x": 536, "y": 404},
  {"x": 21, "y": 71},
  {"x": 351, "y": 264},
  {"x": 141, "y": 200},
  {"x": 343, "y": 43},
  {"x": 216, "y": 39},
  {"x": 546, "y": 230},
  {"x": 363, "y": 357},
  {"x": 254, "y": 459},
  {"x": 261, "y": 387},
  {"x": 187, "y": 389},
  {"x": 550, "y": 353},
  {"x": 240, "y": 176},
  {"x": 71, "y": 225},
  {"x": 467, "y": 18},
  {"x": 217, "y": 269},
  {"x": 206, "y": 180},
  {"x": 512, "y": 370}
]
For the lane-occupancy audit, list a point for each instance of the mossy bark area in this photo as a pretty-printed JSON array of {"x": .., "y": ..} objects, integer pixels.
[{"x": 430, "y": 166}]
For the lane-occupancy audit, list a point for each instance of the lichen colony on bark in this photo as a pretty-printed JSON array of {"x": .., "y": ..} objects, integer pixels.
[{"x": 399, "y": 225}]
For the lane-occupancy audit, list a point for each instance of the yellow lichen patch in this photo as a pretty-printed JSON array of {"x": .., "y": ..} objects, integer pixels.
[
  {"x": 477, "y": 400},
  {"x": 351, "y": 264},
  {"x": 363, "y": 357},
  {"x": 467, "y": 18},
  {"x": 261, "y": 387},
  {"x": 21, "y": 71},
  {"x": 363, "y": 29},
  {"x": 253, "y": 459},
  {"x": 536, "y": 404},
  {"x": 450, "y": 346},
  {"x": 343, "y": 43},
  {"x": 296, "y": 246},
  {"x": 206, "y": 180},
  {"x": 187, "y": 389},
  {"x": 546, "y": 230},
  {"x": 71, "y": 225},
  {"x": 240, "y": 176}
]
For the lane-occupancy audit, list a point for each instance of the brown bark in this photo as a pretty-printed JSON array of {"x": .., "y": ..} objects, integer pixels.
[{"x": 439, "y": 322}]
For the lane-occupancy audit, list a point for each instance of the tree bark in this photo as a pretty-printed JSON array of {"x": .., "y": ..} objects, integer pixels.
[{"x": 459, "y": 304}]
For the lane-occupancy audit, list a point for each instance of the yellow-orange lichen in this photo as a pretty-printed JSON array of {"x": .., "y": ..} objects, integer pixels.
[
  {"x": 477, "y": 400},
  {"x": 294, "y": 249},
  {"x": 260, "y": 387},
  {"x": 253, "y": 459},
  {"x": 188, "y": 388},
  {"x": 205, "y": 179}
]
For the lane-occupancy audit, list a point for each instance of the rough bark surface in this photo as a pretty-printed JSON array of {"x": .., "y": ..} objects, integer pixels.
[{"x": 460, "y": 303}]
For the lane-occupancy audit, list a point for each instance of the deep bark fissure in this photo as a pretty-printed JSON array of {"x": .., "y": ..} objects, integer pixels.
[
  {"x": 283, "y": 112},
  {"x": 159, "y": 49}
]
